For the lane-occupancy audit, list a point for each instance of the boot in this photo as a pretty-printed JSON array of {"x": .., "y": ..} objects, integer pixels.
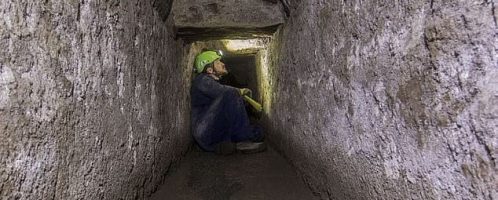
[{"x": 251, "y": 147}]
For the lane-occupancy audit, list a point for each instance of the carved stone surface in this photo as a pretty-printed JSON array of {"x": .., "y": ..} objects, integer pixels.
[
  {"x": 389, "y": 99},
  {"x": 227, "y": 13},
  {"x": 89, "y": 108},
  {"x": 368, "y": 99}
]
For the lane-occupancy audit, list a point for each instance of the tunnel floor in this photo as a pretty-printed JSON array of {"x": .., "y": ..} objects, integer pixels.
[{"x": 203, "y": 175}]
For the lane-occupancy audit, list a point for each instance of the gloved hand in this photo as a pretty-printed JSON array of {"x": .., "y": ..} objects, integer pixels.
[{"x": 245, "y": 91}]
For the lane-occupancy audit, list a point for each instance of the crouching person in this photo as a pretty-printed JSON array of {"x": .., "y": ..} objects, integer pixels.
[{"x": 219, "y": 120}]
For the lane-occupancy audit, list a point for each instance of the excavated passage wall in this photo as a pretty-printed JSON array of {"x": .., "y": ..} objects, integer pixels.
[
  {"x": 389, "y": 99},
  {"x": 89, "y": 105}
]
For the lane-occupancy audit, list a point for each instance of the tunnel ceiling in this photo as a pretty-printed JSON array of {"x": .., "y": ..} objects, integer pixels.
[
  {"x": 234, "y": 19},
  {"x": 196, "y": 34}
]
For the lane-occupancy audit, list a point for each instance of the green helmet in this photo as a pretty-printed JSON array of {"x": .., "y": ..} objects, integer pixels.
[{"x": 206, "y": 58}]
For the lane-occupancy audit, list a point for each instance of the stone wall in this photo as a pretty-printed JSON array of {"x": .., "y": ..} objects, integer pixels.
[
  {"x": 227, "y": 13},
  {"x": 388, "y": 99},
  {"x": 93, "y": 104}
]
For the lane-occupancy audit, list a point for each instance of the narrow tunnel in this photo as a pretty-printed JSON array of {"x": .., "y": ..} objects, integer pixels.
[
  {"x": 242, "y": 73},
  {"x": 361, "y": 99}
]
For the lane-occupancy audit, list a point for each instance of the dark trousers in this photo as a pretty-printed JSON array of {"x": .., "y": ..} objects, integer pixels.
[{"x": 225, "y": 119}]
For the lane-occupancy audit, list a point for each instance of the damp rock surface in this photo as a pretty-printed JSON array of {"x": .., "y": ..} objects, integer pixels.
[
  {"x": 88, "y": 106},
  {"x": 388, "y": 100}
]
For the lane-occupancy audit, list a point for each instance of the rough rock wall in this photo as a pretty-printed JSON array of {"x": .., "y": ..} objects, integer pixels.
[
  {"x": 389, "y": 99},
  {"x": 91, "y": 104}
]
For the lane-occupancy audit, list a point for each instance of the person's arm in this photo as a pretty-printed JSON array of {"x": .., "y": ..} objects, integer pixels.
[{"x": 213, "y": 89}]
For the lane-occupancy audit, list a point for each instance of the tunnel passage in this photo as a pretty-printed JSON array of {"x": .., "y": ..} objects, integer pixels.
[
  {"x": 242, "y": 73},
  {"x": 367, "y": 99}
]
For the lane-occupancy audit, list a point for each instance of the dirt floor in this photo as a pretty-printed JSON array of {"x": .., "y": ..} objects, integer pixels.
[{"x": 202, "y": 175}]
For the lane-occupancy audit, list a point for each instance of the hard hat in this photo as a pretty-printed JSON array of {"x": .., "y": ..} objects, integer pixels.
[{"x": 206, "y": 58}]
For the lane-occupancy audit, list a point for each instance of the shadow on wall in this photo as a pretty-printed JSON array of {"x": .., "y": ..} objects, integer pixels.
[{"x": 163, "y": 7}]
